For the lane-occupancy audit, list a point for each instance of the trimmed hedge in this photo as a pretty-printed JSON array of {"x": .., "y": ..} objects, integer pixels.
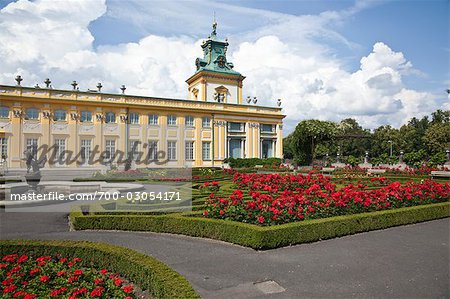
[
  {"x": 251, "y": 162},
  {"x": 261, "y": 237},
  {"x": 142, "y": 270}
]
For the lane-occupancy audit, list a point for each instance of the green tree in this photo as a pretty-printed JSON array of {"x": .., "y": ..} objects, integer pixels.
[
  {"x": 437, "y": 137},
  {"x": 417, "y": 129},
  {"x": 287, "y": 147},
  {"x": 307, "y": 135},
  {"x": 353, "y": 139},
  {"x": 440, "y": 117},
  {"x": 381, "y": 141}
]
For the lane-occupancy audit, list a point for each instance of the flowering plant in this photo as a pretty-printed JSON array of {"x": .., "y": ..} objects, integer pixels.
[
  {"x": 29, "y": 277},
  {"x": 278, "y": 199},
  {"x": 209, "y": 187}
]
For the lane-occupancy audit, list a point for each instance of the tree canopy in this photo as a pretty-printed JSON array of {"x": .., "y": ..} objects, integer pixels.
[{"x": 419, "y": 140}]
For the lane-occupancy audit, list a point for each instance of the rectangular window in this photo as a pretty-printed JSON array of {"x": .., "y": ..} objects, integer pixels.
[
  {"x": 266, "y": 128},
  {"x": 85, "y": 150},
  {"x": 172, "y": 150},
  {"x": 206, "y": 151},
  {"x": 60, "y": 151},
  {"x": 59, "y": 115},
  {"x": 236, "y": 127},
  {"x": 32, "y": 145},
  {"x": 3, "y": 147},
  {"x": 153, "y": 119},
  {"x": 235, "y": 148},
  {"x": 267, "y": 149},
  {"x": 171, "y": 120},
  {"x": 86, "y": 116},
  {"x": 4, "y": 112},
  {"x": 32, "y": 113},
  {"x": 110, "y": 150},
  {"x": 134, "y": 118},
  {"x": 189, "y": 150},
  {"x": 134, "y": 149},
  {"x": 189, "y": 121},
  {"x": 206, "y": 122},
  {"x": 153, "y": 150},
  {"x": 110, "y": 117}
]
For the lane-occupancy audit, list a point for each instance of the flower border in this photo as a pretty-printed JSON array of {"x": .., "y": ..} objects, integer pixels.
[
  {"x": 257, "y": 237},
  {"x": 145, "y": 271}
]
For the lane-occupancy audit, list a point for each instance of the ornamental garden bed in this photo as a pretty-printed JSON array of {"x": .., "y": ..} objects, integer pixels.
[
  {"x": 265, "y": 211},
  {"x": 75, "y": 269}
]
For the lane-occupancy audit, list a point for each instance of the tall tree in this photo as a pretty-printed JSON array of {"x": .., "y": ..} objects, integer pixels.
[
  {"x": 437, "y": 138},
  {"x": 385, "y": 137},
  {"x": 307, "y": 135},
  {"x": 353, "y": 139}
]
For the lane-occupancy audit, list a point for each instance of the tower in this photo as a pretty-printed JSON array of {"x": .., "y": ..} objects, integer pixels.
[{"x": 215, "y": 78}]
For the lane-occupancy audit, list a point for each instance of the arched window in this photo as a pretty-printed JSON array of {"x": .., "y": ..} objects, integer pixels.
[
  {"x": 4, "y": 112},
  {"x": 110, "y": 117},
  {"x": 134, "y": 118},
  {"x": 59, "y": 115},
  {"x": 32, "y": 113}
]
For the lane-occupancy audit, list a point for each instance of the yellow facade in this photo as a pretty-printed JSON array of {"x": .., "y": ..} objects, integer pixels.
[
  {"x": 17, "y": 129},
  {"x": 213, "y": 124}
]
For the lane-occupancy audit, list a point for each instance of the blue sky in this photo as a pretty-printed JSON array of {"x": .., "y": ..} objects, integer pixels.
[{"x": 384, "y": 61}]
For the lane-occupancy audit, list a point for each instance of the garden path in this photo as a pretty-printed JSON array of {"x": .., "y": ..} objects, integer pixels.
[{"x": 406, "y": 262}]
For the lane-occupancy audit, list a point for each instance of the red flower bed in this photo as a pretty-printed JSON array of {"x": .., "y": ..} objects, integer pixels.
[
  {"x": 27, "y": 277},
  {"x": 278, "y": 199}
]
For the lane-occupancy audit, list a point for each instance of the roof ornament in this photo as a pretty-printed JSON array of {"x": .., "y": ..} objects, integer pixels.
[{"x": 214, "y": 26}]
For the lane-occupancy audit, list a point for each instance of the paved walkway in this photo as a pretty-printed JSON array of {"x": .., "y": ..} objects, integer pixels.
[{"x": 403, "y": 262}]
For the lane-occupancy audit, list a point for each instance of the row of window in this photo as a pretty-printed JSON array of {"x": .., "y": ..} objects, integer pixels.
[
  {"x": 110, "y": 149},
  {"x": 171, "y": 149},
  {"x": 235, "y": 148},
  {"x": 110, "y": 117}
]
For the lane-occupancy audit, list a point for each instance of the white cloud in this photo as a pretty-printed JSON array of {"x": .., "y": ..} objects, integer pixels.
[{"x": 283, "y": 56}]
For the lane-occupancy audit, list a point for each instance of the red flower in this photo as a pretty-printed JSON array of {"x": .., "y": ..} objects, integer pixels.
[
  {"x": 128, "y": 289},
  {"x": 9, "y": 289},
  {"x": 22, "y": 259},
  {"x": 19, "y": 294},
  {"x": 97, "y": 292},
  {"x": 72, "y": 278},
  {"x": 10, "y": 258},
  {"x": 98, "y": 281},
  {"x": 3, "y": 266},
  {"x": 103, "y": 271},
  {"x": 205, "y": 213},
  {"x": 30, "y": 296},
  {"x": 34, "y": 271},
  {"x": 77, "y": 272},
  {"x": 117, "y": 281},
  {"x": 261, "y": 219},
  {"x": 7, "y": 281},
  {"x": 44, "y": 278},
  {"x": 60, "y": 273}
]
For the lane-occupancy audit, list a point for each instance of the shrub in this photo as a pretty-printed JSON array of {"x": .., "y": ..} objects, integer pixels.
[
  {"x": 252, "y": 162},
  {"x": 146, "y": 272},
  {"x": 258, "y": 237}
]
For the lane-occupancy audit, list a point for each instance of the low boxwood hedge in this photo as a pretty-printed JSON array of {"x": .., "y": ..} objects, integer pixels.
[
  {"x": 257, "y": 237},
  {"x": 144, "y": 271}
]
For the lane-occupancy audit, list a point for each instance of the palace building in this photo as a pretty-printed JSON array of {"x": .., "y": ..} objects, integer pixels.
[{"x": 214, "y": 123}]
